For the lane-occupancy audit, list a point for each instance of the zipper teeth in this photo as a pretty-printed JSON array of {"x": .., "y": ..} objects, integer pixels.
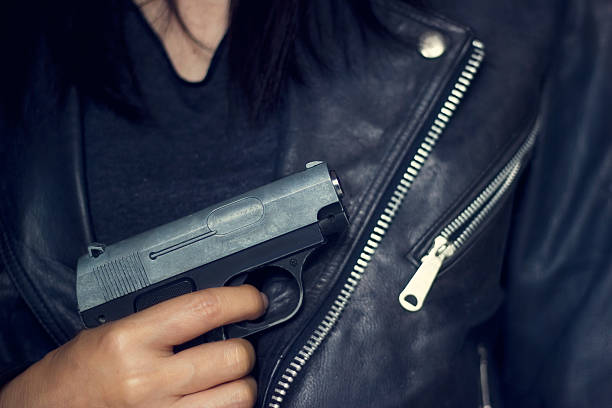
[
  {"x": 488, "y": 198},
  {"x": 382, "y": 225}
]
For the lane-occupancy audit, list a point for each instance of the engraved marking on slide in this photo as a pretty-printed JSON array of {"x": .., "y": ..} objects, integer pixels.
[{"x": 234, "y": 216}]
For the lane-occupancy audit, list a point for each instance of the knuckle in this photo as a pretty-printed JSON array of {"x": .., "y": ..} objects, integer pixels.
[
  {"x": 207, "y": 304},
  {"x": 115, "y": 340},
  {"x": 131, "y": 391},
  {"x": 240, "y": 356}
]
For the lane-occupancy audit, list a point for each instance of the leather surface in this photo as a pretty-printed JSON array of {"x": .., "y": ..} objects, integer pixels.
[
  {"x": 557, "y": 320},
  {"x": 544, "y": 249}
]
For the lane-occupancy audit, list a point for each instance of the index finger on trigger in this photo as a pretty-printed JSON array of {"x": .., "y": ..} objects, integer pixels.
[{"x": 183, "y": 318}]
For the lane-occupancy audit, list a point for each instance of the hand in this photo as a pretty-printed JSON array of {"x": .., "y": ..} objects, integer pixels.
[{"x": 130, "y": 362}]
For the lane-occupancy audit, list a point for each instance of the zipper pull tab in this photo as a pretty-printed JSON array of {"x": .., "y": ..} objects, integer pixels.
[{"x": 415, "y": 292}]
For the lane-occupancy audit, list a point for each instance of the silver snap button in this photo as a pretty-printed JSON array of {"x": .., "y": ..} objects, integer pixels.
[{"x": 432, "y": 44}]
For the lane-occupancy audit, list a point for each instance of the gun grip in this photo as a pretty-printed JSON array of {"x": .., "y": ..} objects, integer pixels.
[{"x": 293, "y": 264}]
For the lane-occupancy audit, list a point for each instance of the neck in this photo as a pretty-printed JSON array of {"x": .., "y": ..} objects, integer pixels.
[{"x": 190, "y": 50}]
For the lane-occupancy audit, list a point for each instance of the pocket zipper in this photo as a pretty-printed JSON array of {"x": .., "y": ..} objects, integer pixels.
[{"x": 452, "y": 237}]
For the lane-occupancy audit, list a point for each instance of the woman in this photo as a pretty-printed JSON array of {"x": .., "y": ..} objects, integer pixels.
[{"x": 157, "y": 113}]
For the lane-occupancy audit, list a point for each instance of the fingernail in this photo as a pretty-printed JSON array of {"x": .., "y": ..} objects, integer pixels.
[{"x": 264, "y": 297}]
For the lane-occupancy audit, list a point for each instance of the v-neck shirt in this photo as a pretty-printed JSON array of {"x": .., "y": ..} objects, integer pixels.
[{"x": 196, "y": 149}]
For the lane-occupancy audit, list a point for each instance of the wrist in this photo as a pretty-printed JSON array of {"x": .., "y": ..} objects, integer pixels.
[{"x": 25, "y": 390}]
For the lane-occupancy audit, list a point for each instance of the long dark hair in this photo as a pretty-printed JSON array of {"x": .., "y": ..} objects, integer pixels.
[{"x": 83, "y": 41}]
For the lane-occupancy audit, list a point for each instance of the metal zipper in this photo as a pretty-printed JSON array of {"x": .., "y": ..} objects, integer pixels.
[
  {"x": 316, "y": 338},
  {"x": 455, "y": 234},
  {"x": 485, "y": 393}
]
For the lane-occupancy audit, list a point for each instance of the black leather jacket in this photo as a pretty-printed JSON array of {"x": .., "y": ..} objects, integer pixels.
[{"x": 494, "y": 117}]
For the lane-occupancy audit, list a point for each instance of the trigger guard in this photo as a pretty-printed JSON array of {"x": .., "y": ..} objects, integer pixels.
[
  {"x": 292, "y": 264},
  {"x": 237, "y": 280}
]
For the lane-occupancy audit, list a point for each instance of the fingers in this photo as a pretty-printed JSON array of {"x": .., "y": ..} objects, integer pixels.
[
  {"x": 211, "y": 364},
  {"x": 185, "y": 317},
  {"x": 236, "y": 394}
]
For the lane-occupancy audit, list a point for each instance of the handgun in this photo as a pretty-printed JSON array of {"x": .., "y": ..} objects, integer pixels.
[{"x": 274, "y": 226}]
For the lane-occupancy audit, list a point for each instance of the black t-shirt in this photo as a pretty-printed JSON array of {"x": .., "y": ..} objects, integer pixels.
[{"x": 195, "y": 149}]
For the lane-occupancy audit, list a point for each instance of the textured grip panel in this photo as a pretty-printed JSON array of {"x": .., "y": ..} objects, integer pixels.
[{"x": 121, "y": 276}]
